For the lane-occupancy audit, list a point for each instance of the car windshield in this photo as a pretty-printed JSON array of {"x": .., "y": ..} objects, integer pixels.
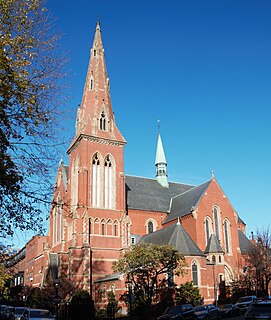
[
  {"x": 226, "y": 306},
  {"x": 40, "y": 314},
  {"x": 200, "y": 308},
  {"x": 174, "y": 310},
  {"x": 245, "y": 299}
]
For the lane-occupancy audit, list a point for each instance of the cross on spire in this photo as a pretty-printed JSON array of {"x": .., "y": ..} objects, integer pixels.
[{"x": 212, "y": 174}]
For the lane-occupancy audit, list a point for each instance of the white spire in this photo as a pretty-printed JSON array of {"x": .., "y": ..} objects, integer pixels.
[{"x": 161, "y": 163}]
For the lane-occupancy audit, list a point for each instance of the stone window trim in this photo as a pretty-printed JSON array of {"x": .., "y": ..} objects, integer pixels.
[
  {"x": 154, "y": 225},
  {"x": 195, "y": 273}
]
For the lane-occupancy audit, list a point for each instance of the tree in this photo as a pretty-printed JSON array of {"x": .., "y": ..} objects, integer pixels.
[
  {"x": 187, "y": 293},
  {"x": 30, "y": 70},
  {"x": 145, "y": 266},
  {"x": 258, "y": 271},
  {"x": 82, "y": 305},
  {"x": 4, "y": 280}
]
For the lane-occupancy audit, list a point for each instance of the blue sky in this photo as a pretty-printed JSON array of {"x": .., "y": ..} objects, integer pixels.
[{"x": 203, "y": 68}]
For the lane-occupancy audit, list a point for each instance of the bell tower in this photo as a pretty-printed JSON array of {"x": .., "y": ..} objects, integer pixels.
[{"x": 96, "y": 178}]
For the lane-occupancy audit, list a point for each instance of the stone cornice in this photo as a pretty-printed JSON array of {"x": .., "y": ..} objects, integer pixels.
[{"x": 95, "y": 140}]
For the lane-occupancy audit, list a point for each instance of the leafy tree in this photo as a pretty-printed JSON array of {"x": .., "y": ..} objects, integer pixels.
[
  {"x": 145, "y": 266},
  {"x": 43, "y": 297},
  {"x": 4, "y": 280},
  {"x": 82, "y": 304},
  {"x": 112, "y": 306},
  {"x": 29, "y": 110},
  {"x": 258, "y": 271},
  {"x": 187, "y": 293}
]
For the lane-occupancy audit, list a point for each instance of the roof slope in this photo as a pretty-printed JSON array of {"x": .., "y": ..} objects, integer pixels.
[
  {"x": 176, "y": 236},
  {"x": 213, "y": 245},
  {"x": 147, "y": 194},
  {"x": 244, "y": 242},
  {"x": 184, "y": 203}
]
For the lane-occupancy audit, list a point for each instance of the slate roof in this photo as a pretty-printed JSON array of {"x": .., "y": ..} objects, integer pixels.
[
  {"x": 148, "y": 195},
  {"x": 186, "y": 202},
  {"x": 244, "y": 242},
  {"x": 213, "y": 245},
  {"x": 111, "y": 277},
  {"x": 175, "y": 235}
]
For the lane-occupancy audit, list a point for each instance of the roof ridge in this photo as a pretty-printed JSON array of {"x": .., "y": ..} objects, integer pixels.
[
  {"x": 172, "y": 182},
  {"x": 190, "y": 190}
]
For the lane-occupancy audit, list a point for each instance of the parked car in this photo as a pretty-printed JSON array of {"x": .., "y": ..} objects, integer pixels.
[
  {"x": 201, "y": 312},
  {"x": 37, "y": 314},
  {"x": 18, "y": 312},
  {"x": 244, "y": 303},
  {"x": 259, "y": 311},
  {"x": 4, "y": 312},
  {"x": 181, "y": 312},
  {"x": 229, "y": 310},
  {"x": 213, "y": 311},
  {"x": 10, "y": 312}
]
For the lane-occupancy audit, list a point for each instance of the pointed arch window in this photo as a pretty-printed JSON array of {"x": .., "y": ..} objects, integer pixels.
[
  {"x": 74, "y": 183},
  {"x": 102, "y": 121},
  {"x": 208, "y": 228},
  {"x": 96, "y": 181},
  {"x": 150, "y": 227},
  {"x": 109, "y": 184},
  {"x": 216, "y": 221},
  {"x": 195, "y": 278},
  {"x": 227, "y": 236},
  {"x": 115, "y": 228},
  {"x": 58, "y": 221},
  {"x": 96, "y": 226},
  {"x": 103, "y": 229}
]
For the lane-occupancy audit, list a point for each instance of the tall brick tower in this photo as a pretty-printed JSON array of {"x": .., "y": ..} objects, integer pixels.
[{"x": 96, "y": 191}]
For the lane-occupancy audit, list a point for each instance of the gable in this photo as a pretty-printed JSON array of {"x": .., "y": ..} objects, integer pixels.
[{"x": 186, "y": 202}]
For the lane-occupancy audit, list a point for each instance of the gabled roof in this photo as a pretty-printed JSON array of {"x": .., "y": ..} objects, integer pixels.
[
  {"x": 186, "y": 202},
  {"x": 244, "y": 242},
  {"x": 147, "y": 194},
  {"x": 176, "y": 236},
  {"x": 213, "y": 245}
]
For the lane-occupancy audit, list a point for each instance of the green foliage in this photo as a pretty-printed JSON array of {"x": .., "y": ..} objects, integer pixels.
[
  {"x": 29, "y": 99},
  {"x": 187, "y": 293},
  {"x": 83, "y": 305},
  {"x": 145, "y": 266},
  {"x": 112, "y": 306}
]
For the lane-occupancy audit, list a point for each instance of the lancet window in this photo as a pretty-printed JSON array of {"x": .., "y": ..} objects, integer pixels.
[
  {"x": 96, "y": 181},
  {"x": 102, "y": 120},
  {"x": 108, "y": 183}
]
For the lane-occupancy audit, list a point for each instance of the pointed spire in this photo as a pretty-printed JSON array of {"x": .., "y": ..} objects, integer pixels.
[
  {"x": 95, "y": 115},
  {"x": 213, "y": 245},
  {"x": 161, "y": 163}
]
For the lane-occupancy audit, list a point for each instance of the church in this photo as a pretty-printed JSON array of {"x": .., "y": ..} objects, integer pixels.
[{"x": 98, "y": 212}]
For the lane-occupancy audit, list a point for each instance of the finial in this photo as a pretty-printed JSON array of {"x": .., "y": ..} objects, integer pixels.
[
  {"x": 158, "y": 125},
  {"x": 98, "y": 23},
  {"x": 61, "y": 161},
  {"x": 212, "y": 174}
]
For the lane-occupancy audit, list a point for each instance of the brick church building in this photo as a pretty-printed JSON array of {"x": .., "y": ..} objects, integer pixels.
[{"x": 98, "y": 212}]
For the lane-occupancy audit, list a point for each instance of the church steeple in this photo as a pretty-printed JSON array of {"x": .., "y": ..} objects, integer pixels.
[
  {"x": 161, "y": 164},
  {"x": 95, "y": 116}
]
